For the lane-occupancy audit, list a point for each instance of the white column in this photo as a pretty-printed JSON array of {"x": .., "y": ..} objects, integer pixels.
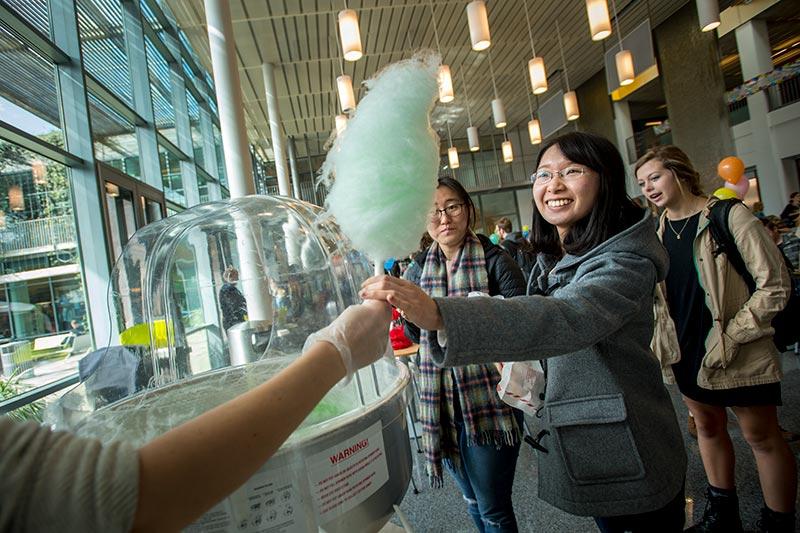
[
  {"x": 278, "y": 147},
  {"x": 623, "y": 128},
  {"x": 755, "y": 56},
  {"x": 293, "y": 166},
  {"x": 229, "y": 98}
]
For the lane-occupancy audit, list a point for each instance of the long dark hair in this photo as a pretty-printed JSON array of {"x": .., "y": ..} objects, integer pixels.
[
  {"x": 613, "y": 211},
  {"x": 463, "y": 195}
]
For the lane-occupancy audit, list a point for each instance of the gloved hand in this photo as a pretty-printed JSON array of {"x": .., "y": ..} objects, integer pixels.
[{"x": 360, "y": 334}]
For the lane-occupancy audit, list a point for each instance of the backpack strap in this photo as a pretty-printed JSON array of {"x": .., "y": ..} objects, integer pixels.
[{"x": 718, "y": 216}]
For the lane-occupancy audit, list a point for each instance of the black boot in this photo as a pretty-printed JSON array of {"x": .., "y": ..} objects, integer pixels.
[
  {"x": 775, "y": 522},
  {"x": 721, "y": 513}
]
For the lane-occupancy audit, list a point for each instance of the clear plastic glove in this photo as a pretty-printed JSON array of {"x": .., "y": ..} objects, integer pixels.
[{"x": 360, "y": 334}]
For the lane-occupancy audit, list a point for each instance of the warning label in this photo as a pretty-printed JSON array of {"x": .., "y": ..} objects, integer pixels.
[{"x": 345, "y": 475}]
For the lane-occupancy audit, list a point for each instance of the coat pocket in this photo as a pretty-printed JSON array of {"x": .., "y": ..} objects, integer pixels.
[{"x": 595, "y": 440}]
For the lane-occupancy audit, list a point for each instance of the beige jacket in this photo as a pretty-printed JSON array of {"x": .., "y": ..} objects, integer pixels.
[{"x": 739, "y": 347}]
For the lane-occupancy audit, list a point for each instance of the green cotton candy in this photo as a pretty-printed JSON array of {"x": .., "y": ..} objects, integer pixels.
[{"x": 385, "y": 164}]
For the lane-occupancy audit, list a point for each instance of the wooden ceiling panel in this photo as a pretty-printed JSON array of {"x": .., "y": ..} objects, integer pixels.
[{"x": 299, "y": 37}]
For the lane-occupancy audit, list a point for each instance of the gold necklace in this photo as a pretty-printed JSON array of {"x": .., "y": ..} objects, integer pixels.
[{"x": 678, "y": 233}]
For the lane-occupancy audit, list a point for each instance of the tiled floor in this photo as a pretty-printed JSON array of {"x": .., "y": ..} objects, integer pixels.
[{"x": 443, "y": 510}]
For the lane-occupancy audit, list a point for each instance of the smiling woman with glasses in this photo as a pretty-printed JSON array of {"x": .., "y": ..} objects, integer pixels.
[
  {"x": 610, "y": 446},
  {"x": 467, "y": 429}
]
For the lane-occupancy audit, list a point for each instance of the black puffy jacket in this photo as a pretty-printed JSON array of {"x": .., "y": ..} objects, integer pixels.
[{"x": 505, "y": 276}]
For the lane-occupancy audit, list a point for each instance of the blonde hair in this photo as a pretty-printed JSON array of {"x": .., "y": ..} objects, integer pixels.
[{"x": 675, "y": 160}]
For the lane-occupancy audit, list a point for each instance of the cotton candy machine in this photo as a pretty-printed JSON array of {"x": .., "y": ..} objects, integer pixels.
[{"x": 212, "y": 302}]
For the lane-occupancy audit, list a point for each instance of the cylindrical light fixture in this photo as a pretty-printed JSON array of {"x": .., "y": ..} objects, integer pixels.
[
  {"x": 538, "y": 75},
  {"x": 2, "y": 220},
  {"x": 499, "y": 113},
  {"x": 708, "y": 14},
  {"x": 478, "y": 25},
  {"x": 508, "y": 153},
  {"x": 599, "y": 21},
  {"x": 452, "y": 157},
  {"x": 347, "y": 99},
  {"x": 571, "y": 105},
  {"x": 445, "y": 84},
  {"x": 39, "y": 172},
  {"x": 341, "y": 123},
  {"x": 16, "y": 201},
  {"x": 473, "y": 138},
  {"x": 625, "y": 73},
  {"x": 534, "y": 131},
  {"x": 350, "y": 35}
]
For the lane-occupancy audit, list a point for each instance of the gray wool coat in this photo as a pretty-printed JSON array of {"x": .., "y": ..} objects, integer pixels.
[{"x": 614, "y": 444}]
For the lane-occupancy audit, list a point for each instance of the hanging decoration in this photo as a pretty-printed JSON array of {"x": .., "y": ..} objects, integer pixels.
[{"x": 762, "y": 82}]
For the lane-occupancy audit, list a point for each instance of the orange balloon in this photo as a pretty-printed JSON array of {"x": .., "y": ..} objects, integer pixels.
[{"x": 731, "y": 169}]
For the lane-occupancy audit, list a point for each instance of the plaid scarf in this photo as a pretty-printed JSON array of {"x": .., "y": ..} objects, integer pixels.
[{"x": 487, "y": 420}]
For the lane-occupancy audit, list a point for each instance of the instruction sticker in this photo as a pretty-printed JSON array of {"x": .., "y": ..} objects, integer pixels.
[{"x": 345, "y": 475}]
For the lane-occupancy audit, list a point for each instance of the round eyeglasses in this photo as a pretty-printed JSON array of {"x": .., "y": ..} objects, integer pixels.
[
  {"x": 540, "y": 177},
  {"x": 452, "y": 211}
]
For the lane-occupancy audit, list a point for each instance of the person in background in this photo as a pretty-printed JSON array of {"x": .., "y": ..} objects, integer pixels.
[
  {"x": 758, "y": 210},
  {"x": 231, "y": 300},
  {"x": 788, "y": 243},
  {"x": 791, "y": 213},
  {"x": 516, "y": 245},
  {"x": 466, "y": 427},
  {"x": 611, "y": 447},
  {"x": 54, "y": 481},
  {"x": 713, "y": 338}
]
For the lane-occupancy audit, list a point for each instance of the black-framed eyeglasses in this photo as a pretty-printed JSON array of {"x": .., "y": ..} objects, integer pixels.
[
  {"x": 452, "y": 211},
  {"x": 540, "y": 177}
]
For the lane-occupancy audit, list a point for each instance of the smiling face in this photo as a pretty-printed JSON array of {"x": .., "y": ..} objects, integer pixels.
[
  {"x": 448, "y": 230},
  {"x": 658, "y": 184},
  {"x": 563, "y": 202}
]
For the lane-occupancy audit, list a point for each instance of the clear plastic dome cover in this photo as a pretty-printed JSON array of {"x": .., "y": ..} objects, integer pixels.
[{"x": 209, "y": 303}]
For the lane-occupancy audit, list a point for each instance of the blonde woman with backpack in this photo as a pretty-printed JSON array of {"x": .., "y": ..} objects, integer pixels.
[{"x": 714, "y": 339}]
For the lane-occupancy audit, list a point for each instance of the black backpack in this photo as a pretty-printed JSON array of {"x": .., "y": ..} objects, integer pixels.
[
  {"x": 785, "y": 322},
  {"x": 523, "y": 254}
]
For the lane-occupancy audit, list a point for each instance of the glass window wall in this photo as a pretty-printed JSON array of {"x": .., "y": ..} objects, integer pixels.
[{"x": 115, "y": 142}]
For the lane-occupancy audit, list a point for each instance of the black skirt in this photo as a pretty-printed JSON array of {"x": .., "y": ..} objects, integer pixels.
[{"x": 693, "y": 323}]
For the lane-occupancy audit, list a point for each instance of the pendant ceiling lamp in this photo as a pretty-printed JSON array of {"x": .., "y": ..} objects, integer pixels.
[
  {"x": 570, "y": 98},
  {"x": 349, "y": 34},
  {"x": 16, "y": 201},
  {"x": 347, "y": 99},
  {"x": 341, "y": 124},
  {"x": 478, "y": 21},
  {"x": 623, "y": 58},
  {"x": 536, "y": 70},
  {"x": 452, "y": 152},
  {"x": 599, "y": 21},
  {"x": 708, "y": 14},
  {"x": 344, "y": 87},
  {"x": 446, "y": 93},
  {"x": 498, "y": 109},
  {"x": 472, "y": 132},
  {"x": 39, "y": 172},
  {"x": 508, "y": 152},
  {"x": 534, "y": 130}
]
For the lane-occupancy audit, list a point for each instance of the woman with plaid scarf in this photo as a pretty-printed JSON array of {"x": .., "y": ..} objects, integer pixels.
[
  {"x": 611, "y": 447},
  {"x": 466, "y": 428}
]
